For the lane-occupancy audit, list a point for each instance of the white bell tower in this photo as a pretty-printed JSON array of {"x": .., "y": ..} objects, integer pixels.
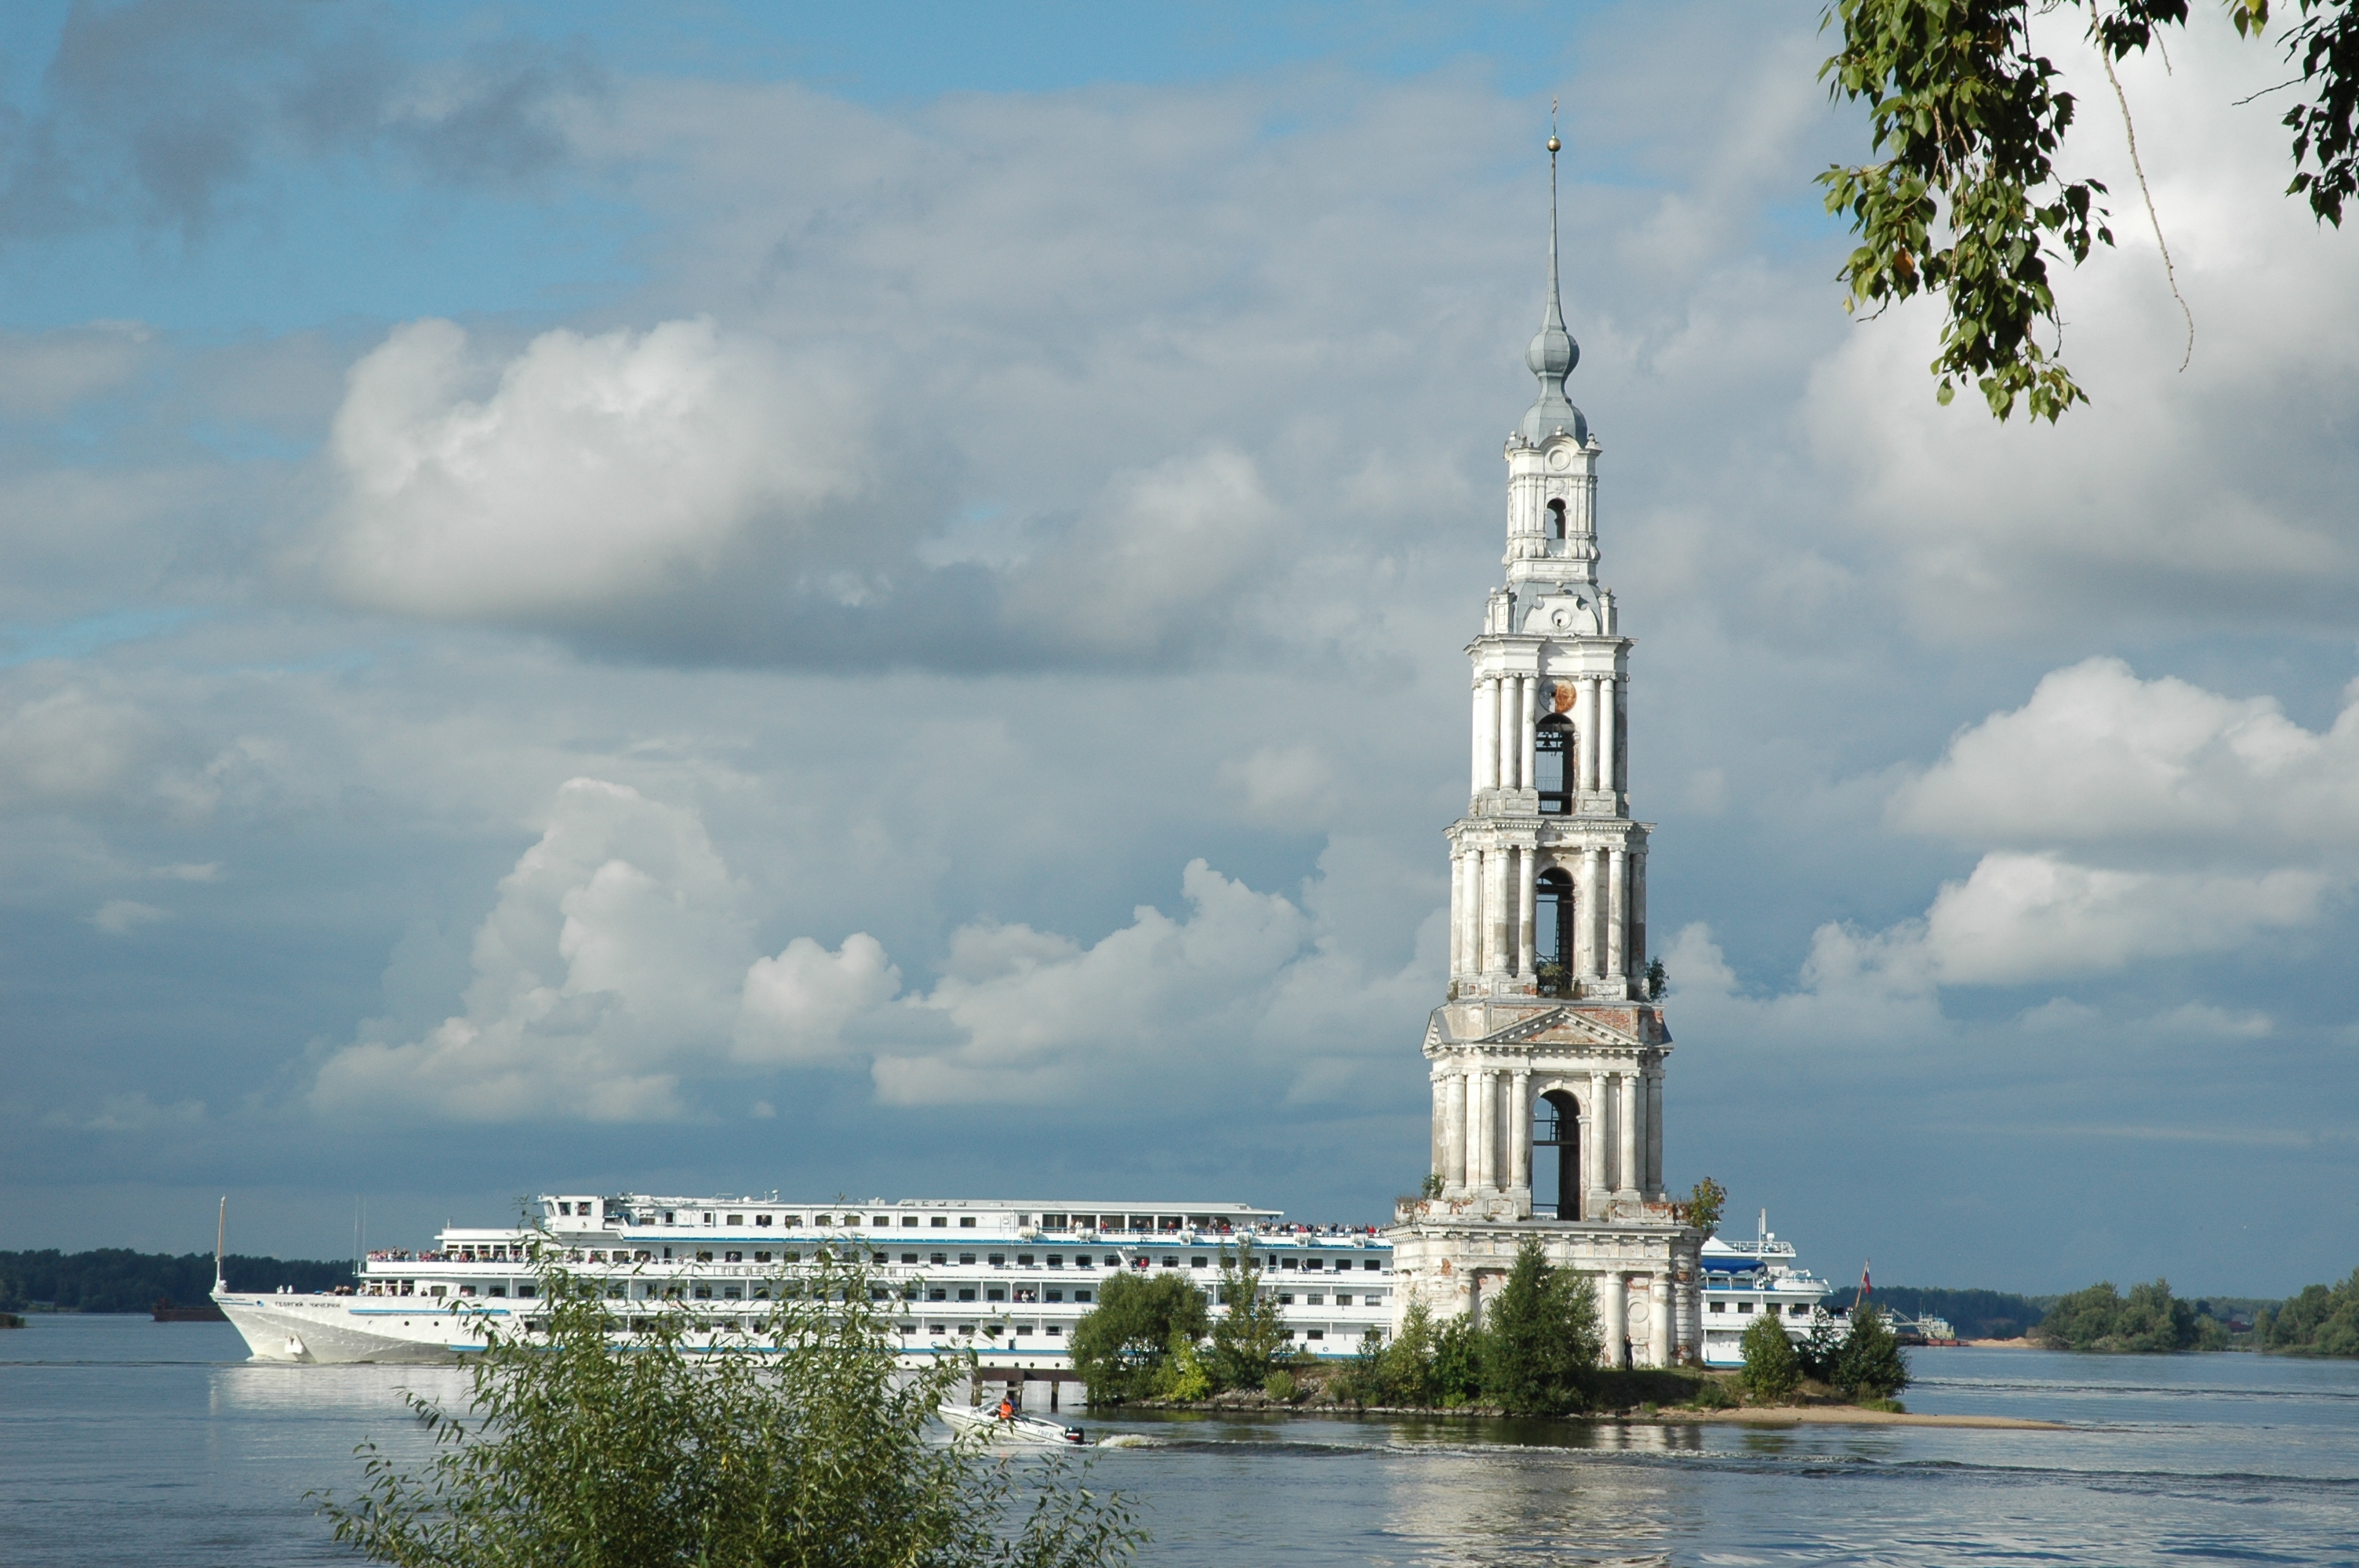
[{"x": 1548, "y": 1050}]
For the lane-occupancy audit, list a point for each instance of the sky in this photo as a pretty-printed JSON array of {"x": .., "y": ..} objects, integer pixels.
[{"x": 870, "y": 600}]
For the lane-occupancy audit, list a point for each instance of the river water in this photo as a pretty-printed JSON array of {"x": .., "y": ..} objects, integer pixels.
[{"x": 127, "y": 1440}]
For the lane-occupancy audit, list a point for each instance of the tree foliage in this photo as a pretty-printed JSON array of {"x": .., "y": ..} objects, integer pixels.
[
  {"x": 1966, "y": 201},
  {"x": 2149, "y": 1319},
  {"x": 2321, "y": 1321},
  {"x": 1871, "y": 1365},
  {"x": 1249, "y": 1342},
  {"x": 1120, "y": 1347},
  {"x": 796, "y": 1444},
  {"x": 1540, "y": 1340},
  {"x": 1772, "y": 1369}
]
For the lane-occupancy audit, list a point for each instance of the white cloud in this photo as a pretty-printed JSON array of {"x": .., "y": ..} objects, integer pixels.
[
  {"x": 2099, "y": 757},
  {"x": 133, "y": 1112},
  {"x": 600, "y": 469},
  {"x": 1038, "y": 1018},
  {"x": 795, "y": 1007},
  {"x": 1284, "y": 786},
  {"x": 120, "y": 916},
  {"x": 70, "y": 746},
  {"x": 612, "y": 960}
]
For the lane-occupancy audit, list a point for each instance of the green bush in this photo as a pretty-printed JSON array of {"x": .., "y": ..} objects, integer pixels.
[
  {"x": 1871, "y": 1365},
  {"x": 800, "y": 1444},
  {"x": 1772, "y": 1369},
  {"x": 1280, "y": 1386},
  {"x": 1249, "y": 1342},
  {"x": 1120, "y": 1346},
  {"x": 1539, "y": 1343},
  {"x": 1714, "y": 1394}
]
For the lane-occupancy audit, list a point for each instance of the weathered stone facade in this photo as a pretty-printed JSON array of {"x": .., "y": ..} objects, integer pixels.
[{"x": 1547, "y": 1016}]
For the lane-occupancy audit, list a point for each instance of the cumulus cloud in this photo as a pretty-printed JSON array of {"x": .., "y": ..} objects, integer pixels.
[
  {"x": 612, "y": 955},
  {"x": 615, "y": 980},
  {"x": 2099, "y": 757},
  {"x": 601, "y": 468},
  {"x": 71, "y": 745}
]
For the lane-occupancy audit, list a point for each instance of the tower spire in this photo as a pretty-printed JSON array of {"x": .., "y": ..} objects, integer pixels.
[{"x": 1553, "y": 353}]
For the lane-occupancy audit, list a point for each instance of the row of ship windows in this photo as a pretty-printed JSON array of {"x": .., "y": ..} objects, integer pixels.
[
  {"x": 1137, "y": 1222},
  {"x": 991, "y": 1330},
  {"x": 1024, "y": 1296},
  {"x": 1794, "y": 1309},
  {"x": 994, "y": 1260}
]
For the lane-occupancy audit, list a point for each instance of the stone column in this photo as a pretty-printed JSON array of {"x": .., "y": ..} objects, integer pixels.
[
  {"x": 1474, "y": 775},
  {"x": 1592, "y": 1129},
  {"x": 1485, "y": 1106},
  {"x": 1585, "y": 912},
  {"x": 1659, "y": 1321},
  {"x": 1585, "y": 721},
  {"x": 1617, "y": 911},
  {"x": 1620, "y": 760},
  {"x": 1654, "y": 1133},
  {"x": 1495, "y": 911},
  {"x": 1486, "y": 722},
  {"x": 1606, "y": 770},
  {"x": 1685, "y": 1345},
  {"x": 1462, "y": 914},
  {"x": 1453, "y": 1161},
  {"x": 1527, "y": 732},
  {"x": 1519, "y": 1131},
  {"x": 1527, "y": 894},
  {"x": 1638, "y": 913},
  {"x": 1511, "y": 742},
  {"x": 1440, "y": 1126},
  {"x": 1601, "y": 1146},
  {"x": 1614, "y": 1307},
  {"x": 1627, "y": 1112}
]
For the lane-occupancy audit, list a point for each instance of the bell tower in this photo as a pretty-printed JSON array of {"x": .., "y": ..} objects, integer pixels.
[{"x": 1547, "y": 1056}]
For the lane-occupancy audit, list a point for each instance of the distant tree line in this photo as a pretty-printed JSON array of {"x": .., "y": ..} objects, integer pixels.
[
  {"x": 114, "y": 1279},
  {"x": 2148, "y": 1319},
  {"x": 1976, "y": 1314},
  {"x": 2321, "y": 1321}
]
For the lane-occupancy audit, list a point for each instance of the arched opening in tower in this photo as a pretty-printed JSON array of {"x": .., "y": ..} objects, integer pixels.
[
  {"x": 1554, "y": 751},
  {"x": 1556, "y": 518},
  {"x": 1552, "y": 927},
  {"x": 1556, "y": 1154}
]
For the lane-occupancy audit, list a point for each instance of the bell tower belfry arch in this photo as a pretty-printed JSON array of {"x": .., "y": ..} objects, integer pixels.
[{"x": 1547, "y": 1043}]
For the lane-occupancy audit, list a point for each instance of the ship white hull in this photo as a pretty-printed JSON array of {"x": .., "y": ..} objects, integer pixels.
[{"x": 345, "y": 1330}]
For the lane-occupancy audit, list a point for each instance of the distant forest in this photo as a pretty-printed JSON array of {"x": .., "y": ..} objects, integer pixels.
[
  {"x": 114, "y": 1279},
  {"x": 1976, "y": 1314}
]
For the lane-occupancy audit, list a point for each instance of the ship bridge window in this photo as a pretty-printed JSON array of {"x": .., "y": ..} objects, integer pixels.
[
  {"x": 705, "y": 1257},
  {"x": 1313, "y": 1263},
  {"x": 999, "y": 1259},
  {"x": 1056, "y": 1260},
  {"x": 884, "y": 1219},
  {"x": 1744, "y": 1306},
  {"x": 1373, "y": 1263},
  {"x": 909, "y": 1257},
  {"x": 1078, "y": 1295},
  {"x": 1555, "y": 751},
  {"x": 666, "y": 1217},
  {"x": 966, "y": 1257},
  {"x": 1171, "y": 1263},
  {"x": 564, "y": 1209},
  {"x": 819, "y": 1219},
  {"x": 879, "y": 1258},
  {"x": 736, "y": 1220},
  {"x": 1798, "y": 1310},
  {"x": 790, "y": 1220},
  {"x": 1719, "y": 1306},
  {"x": 940, "y": 1222},
  {"x": 1198, "y": 1260},
  {"x": 761, "y": 1220},
  {"x": 761, "y": 1256},
  {"x": 1052, "y": 1221},
  {"x": 966, "y": 1294},
  {"x": 1023, "y": 1259},
  {"x": 909, "y": 1220},
  {"x": 966, "y": 1221},
  {"x": 499, "y": 1290},
  {"x": 1085, "y": 1222},
  {"x": 708, "y": 1220},
  {"x": 733, "y": 1257}
]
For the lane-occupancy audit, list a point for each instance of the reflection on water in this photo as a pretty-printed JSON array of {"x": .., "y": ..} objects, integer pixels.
[{"x": 126, "y": 1440}]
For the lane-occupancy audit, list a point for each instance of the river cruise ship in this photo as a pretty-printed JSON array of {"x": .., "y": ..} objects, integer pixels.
[
  {"x": 1745, "y": 1280},
  {"x": 1006, "y": 1280}
]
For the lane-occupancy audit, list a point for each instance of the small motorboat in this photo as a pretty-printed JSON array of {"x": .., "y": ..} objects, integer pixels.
[{"x": 985, "y": 1422}]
